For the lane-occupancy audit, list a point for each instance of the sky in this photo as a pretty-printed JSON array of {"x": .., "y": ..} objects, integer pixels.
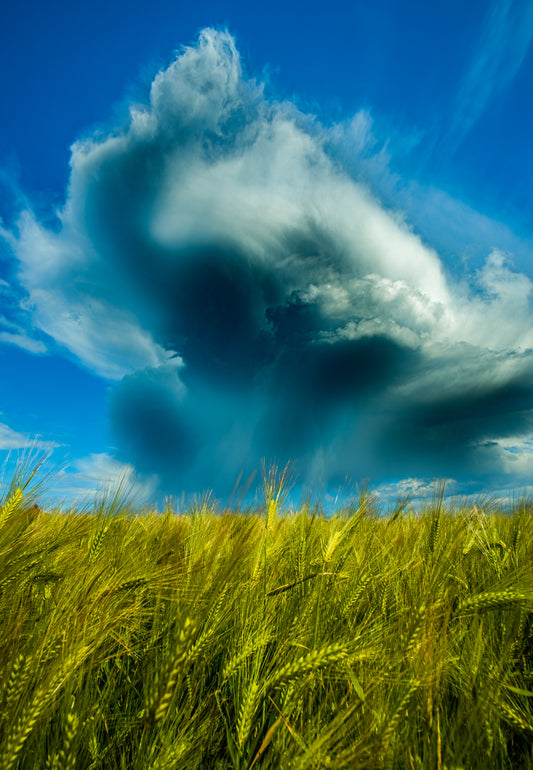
[{"x": 294, "y": 233}]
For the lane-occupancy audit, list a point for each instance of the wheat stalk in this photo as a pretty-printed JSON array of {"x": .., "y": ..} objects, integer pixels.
[
  {"x": 97, "y": 543},
  {"x": 249, "y": 706},
  {"x": 398, "y": 714},
  {"x": 67, "y": 757},
  {"x": 516, "y": 719},
  {"x": 10, "y": 506},
  {"x": 180, "y": 658},
  {"x": 332, "y": 653},
  {"x": 18, "y": 677},
  {"x": 363, "y": 582},
  {"x": 236, "y": 662},
  {"x": 434, "y": 531},
  {"x": 27, "y": 721},
  {"x": 492, "y": 600}
]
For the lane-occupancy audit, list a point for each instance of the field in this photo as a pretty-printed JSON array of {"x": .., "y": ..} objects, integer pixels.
[{"x": 267, "y": 638}]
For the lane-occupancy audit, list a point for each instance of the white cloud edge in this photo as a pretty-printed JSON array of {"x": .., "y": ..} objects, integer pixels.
[
  {"x": 88, "y": 478},
  {"x": 13, "y": 440}
]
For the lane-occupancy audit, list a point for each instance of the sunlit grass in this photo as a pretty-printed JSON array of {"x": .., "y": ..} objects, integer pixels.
[{"x": 271, "y": 638}]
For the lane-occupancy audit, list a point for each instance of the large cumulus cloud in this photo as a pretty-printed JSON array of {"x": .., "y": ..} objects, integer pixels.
[{"x": 248, "y": 298}]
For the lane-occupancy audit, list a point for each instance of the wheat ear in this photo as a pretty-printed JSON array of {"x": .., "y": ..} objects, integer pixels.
[
  {"x": 10, "y": 506},
  {"x": 332, "y": 653},
  {"x": 492, "y": 600}
]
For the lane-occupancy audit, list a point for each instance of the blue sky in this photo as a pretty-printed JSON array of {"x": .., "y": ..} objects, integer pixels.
[{"x": 300, "y": 231}]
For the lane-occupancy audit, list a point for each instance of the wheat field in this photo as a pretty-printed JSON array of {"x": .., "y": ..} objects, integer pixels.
[{"x": 265, "y": 638}]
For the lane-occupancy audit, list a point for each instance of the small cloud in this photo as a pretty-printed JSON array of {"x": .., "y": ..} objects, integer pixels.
[
  {"x": 12, "y": 440},
  {"x": 23, "y": 341},
  {"x": 18, "y": 329},
  {"x": 88, "y": 477},
  {"x": 417, "y": 490}
]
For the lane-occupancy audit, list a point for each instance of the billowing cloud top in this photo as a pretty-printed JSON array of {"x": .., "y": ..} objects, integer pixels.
[{"x": 250, "y": 299}]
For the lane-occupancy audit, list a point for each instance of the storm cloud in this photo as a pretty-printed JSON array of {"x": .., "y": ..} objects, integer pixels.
[{"x": 246, "y": 297}]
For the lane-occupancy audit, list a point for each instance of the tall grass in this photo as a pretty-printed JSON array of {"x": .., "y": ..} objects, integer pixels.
[{"x": 271, "y": 639}]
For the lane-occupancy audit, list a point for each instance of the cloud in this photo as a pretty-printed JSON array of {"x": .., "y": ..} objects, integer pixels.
[
  {"x": 498, "y": 56},
  {"x": 12, "y": 440},
  {"x": 17, "y": 332},
  {"x": 72, "y": 299},
  {"x": 461, "y": 235},
  {"x": 219, "y": 260},
  {"x": 91, "y": 476},
  {"x": 21, "y": 340},
  {"x": 417, "y": 491}
]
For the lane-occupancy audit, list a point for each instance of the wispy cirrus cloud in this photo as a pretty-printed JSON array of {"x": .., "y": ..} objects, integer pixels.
[
  {"x": 17, "y": 330},
  {"x": 21, "y": 340},
  {"x": 501, "y": 49}
]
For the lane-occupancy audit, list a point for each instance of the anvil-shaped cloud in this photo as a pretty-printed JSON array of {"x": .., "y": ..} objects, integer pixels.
[{"x": 250, "y": 299}]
